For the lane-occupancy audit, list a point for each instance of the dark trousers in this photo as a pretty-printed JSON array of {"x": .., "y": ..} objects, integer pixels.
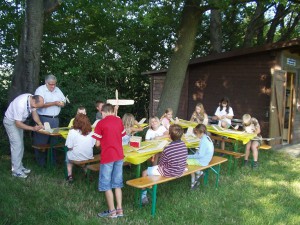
[{"x": 40, "y": 139}]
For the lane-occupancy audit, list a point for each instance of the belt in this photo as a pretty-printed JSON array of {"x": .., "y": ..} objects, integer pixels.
[{"x": 49, "y": 116}]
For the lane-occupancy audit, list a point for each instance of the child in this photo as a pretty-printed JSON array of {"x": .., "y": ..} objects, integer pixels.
[
  {"x": 251, "y": 126},
  {"x": 173, "y": 159},
  {"x": 98, "y": 106},
  {"x": 80, "y": 109},
  {"x": 199, "y": 115},
  {"x": 131, "y": 126},
  {"x": 156, "y": 131},
  {"x": 166, "y": 118},
  {"x": 109, "y": 132},
  {"x": 224, "y": 113},
  {"x": 79, "y": 142},
  {"x": 202, "y": 156}
]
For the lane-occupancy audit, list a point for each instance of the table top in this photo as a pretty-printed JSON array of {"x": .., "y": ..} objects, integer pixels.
[
  {"x": 150, "y": 148},
  {"x": 214, "y": 129}
]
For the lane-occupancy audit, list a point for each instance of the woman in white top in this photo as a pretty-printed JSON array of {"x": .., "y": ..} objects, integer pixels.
[
  {"x": 156, "y": 130},
  {"x": 224, "y": 113},
  {"x": 79, "y": 142}
]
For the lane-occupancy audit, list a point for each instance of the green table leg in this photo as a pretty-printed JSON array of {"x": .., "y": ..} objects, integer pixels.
[{"x": 137, "y": 175}]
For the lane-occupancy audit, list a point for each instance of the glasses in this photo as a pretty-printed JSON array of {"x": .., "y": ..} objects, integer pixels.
[{"x": 53, "y": 84}]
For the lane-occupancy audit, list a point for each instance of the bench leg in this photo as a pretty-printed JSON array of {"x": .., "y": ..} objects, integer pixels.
[
  {"x": 216, "y": 170},
  {"x": 137, "y": 175},
  {"x": 153, "y": 208}
]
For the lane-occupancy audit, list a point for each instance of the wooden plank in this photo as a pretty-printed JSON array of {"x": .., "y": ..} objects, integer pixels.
[{"x": 144, "y": 182}]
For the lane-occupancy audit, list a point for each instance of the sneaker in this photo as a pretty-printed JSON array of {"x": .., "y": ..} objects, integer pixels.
[
  {"x": 255, "y": 165},
  {"x": 120, "y": 213},
  {"x": 21, "y": 175},
  {"x": 108, "y": 214},
  {"x": 26, "y": 171},
  {"x": 245, "y": 163},
  {"x": 70, "y": 179},
  {"x": 145, "y": 200}
]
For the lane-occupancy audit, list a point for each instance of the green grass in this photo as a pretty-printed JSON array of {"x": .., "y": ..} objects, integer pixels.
[{"x": 270, "y": 195}]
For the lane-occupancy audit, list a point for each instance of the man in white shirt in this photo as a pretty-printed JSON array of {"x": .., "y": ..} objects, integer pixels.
[
  {"x": 54, "y": 99},
  {"x": 17, "y": 112}
]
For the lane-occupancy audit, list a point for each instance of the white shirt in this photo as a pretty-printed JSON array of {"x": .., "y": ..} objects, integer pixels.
[
  {"x": 223, "y": 113},
  {"x": 19, "y": 109},
  {"x": 82, "y": 146},
  {"x": 55, "y": 95},
  {"x": 151, "y": 134}
]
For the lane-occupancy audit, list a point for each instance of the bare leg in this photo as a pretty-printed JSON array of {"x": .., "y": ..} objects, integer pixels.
[
  {"x": 118, "y": 194},
  {"x": 247, "y": 150},
  {"x": 254, "y": 148},
  {"x": 69, "y": 168},
  {"x": 110, "y": 200}
]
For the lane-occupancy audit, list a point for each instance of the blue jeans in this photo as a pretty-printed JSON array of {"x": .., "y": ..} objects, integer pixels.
[{"x": 111, "y": 175}]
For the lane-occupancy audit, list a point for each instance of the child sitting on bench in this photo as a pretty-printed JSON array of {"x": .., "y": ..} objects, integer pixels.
[
  {"x": 172, "y": 162},
  {"x": 203, "y": 155}
]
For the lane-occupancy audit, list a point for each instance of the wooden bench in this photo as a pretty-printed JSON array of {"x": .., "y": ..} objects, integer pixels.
[
  {"x": 90, "y": 164},
  {"x": 145, "y": 182},
  {"x": 48, "y": 148},
  {"x": 265, "y": 147},
  {"x": 233, "y": 156}
]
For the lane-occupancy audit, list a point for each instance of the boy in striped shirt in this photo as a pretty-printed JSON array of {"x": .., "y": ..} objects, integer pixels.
[{"x": 173, "y": 159}]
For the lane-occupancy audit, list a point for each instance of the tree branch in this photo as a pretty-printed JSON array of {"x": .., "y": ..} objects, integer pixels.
[{"x": 51, "y": 5}]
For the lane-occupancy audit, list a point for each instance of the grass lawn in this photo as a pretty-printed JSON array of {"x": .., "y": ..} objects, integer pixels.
[{"x": 270, "y": 195}]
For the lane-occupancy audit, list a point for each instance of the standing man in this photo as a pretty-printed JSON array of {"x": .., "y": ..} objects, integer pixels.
[
  {"x": 54, "y": 99},
  {"x": 17, "y": 112}
]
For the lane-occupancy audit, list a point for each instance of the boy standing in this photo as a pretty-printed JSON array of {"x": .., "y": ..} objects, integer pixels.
[
  {"x": 108, "y": 133},
  {"x": 99, "y": 105},
  {"x": 173, "y": 159}
]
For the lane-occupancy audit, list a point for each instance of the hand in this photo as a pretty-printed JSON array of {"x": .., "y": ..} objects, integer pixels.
[{"x": 36, "y": 128}]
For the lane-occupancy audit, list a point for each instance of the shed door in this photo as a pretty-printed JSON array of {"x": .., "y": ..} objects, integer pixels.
[{"x": 277, "y": 106}]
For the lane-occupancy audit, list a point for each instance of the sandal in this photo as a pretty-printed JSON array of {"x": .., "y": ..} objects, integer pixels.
[
  {"x": 120, "y": 213},
  {"x": 108, "y": 214}
]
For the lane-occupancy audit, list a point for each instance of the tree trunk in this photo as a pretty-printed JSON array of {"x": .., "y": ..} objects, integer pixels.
[
  {"x": 25, "y": 77},
  {"x": 254, "y": 25},
  {"x": 179, "y": 61},
  {"x": 216, "y": 31}
]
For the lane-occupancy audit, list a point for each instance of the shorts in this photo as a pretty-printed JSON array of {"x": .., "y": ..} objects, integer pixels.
[
  {"x": 153, "y": 171},
  {"x": 193, "y": 162},
  {"x": 111, "y": 175}
]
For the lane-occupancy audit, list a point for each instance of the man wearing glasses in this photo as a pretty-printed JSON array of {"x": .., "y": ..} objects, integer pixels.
[{"x": 54, "y": 99}]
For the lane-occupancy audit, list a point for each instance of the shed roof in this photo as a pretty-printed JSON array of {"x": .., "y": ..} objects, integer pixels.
[{"x": 293, "y": 46}]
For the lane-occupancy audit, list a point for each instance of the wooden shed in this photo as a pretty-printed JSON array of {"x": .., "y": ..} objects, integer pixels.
[{"x": 262, "y": 81}]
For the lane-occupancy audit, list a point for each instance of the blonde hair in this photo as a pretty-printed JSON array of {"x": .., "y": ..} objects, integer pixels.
[
  {"x": 128, "y": 122},
  {"x": 153, "y": 118},
  {"x": 168, "y": 110}
]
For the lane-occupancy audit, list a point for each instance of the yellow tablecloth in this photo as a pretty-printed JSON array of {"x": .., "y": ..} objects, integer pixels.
[
  {"x": 135, "y": 157},
  {"x": 236, "y": 135}
]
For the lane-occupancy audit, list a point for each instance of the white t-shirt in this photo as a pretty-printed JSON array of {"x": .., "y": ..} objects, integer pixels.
[
  {"x": 223, "y": 113},
  {"x": 151, "y": 134},
  {"x": 55, "y": 95},
  {"x": 82, "y": 146},
  {"x": 19, "y": 109}
]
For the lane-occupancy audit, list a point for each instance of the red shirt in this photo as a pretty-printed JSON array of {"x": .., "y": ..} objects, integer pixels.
[{"x": 109, "y": 131}]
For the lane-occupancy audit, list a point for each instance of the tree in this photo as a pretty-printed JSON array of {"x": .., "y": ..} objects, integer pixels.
[{"x": 25, "y": 76}]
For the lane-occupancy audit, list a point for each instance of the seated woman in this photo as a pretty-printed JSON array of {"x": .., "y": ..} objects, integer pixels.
[
  {"x": 131, "y": 126},
  {"x": 79, "y": 142},
  {"x": 80, "y": 109},
  {"x": 156, "y": 130},
  {"x": 199, "y": 115}
]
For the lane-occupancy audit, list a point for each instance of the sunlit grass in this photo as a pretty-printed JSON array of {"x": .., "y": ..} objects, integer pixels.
[{"x": 270, "y": 195}]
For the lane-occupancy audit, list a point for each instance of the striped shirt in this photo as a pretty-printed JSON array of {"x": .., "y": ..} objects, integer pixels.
[{"x": 173, "y": 159}]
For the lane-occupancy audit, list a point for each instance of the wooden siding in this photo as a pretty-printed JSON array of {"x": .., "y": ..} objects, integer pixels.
[{"x": 246, "y": 81}]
